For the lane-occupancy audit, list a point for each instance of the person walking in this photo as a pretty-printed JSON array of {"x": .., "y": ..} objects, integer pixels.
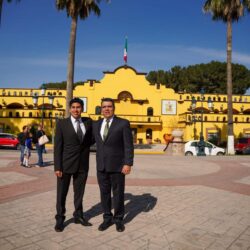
[
  {"x": 71, "y": 159},
  {"x": 40, "y": 148},
  {"x": 21, "y": 138},
  {"x": 114, "y": 158},
  {"x": 27, "y": 150}
]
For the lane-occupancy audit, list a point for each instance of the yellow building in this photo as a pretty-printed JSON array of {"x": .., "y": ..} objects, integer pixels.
[{"x": 153, "y": 110}]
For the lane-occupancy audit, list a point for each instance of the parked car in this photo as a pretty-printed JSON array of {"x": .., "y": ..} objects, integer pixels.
[
  {"x": 9, "y": 141},
  {"x": 241, "y": 143},
  {"x": 191, "y": 148},
  {"x": 246, "y": 150}
]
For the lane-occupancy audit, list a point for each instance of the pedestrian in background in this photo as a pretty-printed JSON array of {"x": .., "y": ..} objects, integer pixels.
[
  {"x": 21, "y": 138},
  {"x": 27, "y": 150},
  {"x": 40, "y": 148}
]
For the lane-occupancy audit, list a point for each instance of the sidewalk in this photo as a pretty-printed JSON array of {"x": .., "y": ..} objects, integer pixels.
[{"x": 176, "y": 203}]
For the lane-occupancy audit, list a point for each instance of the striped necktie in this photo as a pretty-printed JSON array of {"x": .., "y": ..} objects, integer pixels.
[
  {"x": 79, "y": 131},
  {"x": 106, "y": 130}
]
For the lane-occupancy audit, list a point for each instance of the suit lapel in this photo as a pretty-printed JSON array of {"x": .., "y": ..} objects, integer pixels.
[
  {"x": 99, "y": 125},
  {"x": 71, "y": 127},
  {"x": 86, "y": 123}
]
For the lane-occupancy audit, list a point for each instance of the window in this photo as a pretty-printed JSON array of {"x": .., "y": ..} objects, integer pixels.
[
  {"x": 149, "y": 133},
  {"x": 150, "y": 111},
  {"x": 208, "y": 145},
  {"x": 98, "y": 110}
]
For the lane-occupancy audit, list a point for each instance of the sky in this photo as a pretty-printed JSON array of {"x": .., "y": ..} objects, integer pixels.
[{"x": 34, "y": 39}]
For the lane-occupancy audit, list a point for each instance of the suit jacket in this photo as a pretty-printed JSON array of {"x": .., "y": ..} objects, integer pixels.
[
  {"x": 118, "y": 149},
  {"x": 71, "y": 155}
]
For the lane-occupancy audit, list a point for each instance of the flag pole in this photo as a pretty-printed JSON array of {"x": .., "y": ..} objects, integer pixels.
[{"x": 125, "y": 54}]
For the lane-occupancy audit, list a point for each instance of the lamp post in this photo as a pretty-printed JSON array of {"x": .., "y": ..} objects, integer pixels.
[
  {"x": 201, "y": 143},
  {"x": 35, "y": 99},
  {"x": 51, "y": 100},
  {"x": 43, "y": 89}
]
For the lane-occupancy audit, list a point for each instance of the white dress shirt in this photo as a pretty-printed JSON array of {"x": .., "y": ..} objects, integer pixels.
[
  {"x": 104, "y": 122},
  {"x": 74, "y": 123}
]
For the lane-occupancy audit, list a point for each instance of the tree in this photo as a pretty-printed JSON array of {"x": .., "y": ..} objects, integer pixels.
[
  {"x": 75, "y": 9},
  {"x": 228, "y": 11},
  {"x": 210, "y": 76},
  {"x": 1, "y": 6}
]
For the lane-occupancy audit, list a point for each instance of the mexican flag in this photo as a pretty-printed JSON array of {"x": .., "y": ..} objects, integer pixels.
[{"x": 125, "y": 55}]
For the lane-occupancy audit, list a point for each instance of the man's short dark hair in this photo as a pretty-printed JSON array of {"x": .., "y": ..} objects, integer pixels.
[
  {"x": 107, "y": 99},
  {"x": 24, "y": 127},
  {"x": 76, "y": 100}
]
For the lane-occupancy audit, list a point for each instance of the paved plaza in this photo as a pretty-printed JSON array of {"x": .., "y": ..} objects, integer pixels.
[{"x": 172, "y": 202}]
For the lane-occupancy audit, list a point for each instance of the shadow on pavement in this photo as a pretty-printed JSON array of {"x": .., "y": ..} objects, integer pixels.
[
  {"x": 134, "y": 205},
  {"x": 137, "y": 204}
]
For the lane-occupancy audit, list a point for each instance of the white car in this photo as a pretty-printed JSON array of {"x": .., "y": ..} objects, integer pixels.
[{"x": 191, "y": 148}]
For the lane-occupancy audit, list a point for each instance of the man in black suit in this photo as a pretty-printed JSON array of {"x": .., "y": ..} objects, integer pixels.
[
  {"x": 114, "y": 157},
  {"x": 71, "y": 159}
]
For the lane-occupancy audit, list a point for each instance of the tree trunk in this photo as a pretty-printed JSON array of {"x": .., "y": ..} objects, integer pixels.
[
  {"x": 230, "y": 132},
  {"x": 71, "y": 64}
]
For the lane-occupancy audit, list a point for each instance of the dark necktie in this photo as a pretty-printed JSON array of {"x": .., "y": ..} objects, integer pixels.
[
  {"x": 79, "y": 131},
  {"x": 106, "y": 129}
]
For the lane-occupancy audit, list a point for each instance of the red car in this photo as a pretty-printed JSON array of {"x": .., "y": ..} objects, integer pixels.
[
  {"x": 9, "y": 141},
  {"x": 241, "y": 144}
]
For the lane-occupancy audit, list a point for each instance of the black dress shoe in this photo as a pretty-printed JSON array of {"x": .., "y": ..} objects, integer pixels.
[
  {"x": 82, "y": 221},
  {"x": 59, "y": 226},
  {"x": 105, "y": 225},
  {"x": 119, "y": 226}
]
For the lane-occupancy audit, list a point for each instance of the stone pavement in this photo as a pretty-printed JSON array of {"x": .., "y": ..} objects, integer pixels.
[{"x": 176, "y": 203}]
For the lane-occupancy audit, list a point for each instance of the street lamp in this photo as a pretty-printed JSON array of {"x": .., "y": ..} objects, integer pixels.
[
  {"x": 43, "y": 89},
  {"x": 201, "y": 143},
  {"x": 35, "y": 99},
  {"x": 51, "y": 100}
]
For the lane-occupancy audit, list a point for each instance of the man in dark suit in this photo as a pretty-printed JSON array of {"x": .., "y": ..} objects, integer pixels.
[
  {"x": 114, "y": 157},
  {"x": 71, "y": 159}
]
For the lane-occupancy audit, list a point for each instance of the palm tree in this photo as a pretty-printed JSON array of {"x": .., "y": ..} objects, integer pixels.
[
  {"x": 1, "y": 6},
  {"x": 228, "y": 11},
  {"x": 75, "y": 9}
]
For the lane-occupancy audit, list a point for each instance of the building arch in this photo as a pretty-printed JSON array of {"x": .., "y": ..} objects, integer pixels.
[
  {"x": 15, "y": 105},
  {"x": 235, "y": 111},
  {"x": 201, "y": 109},
  {"x": 46, "y": 106},
  {"x": 247, "y": 111},
  {"x": 124, "y": 96}
]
